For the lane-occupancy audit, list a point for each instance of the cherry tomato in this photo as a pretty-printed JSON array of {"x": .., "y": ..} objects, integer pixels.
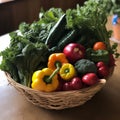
[{"x": 99, "y": 46}]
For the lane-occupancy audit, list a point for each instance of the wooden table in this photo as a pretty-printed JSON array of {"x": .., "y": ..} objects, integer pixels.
[{"x": 105, "y": 105}]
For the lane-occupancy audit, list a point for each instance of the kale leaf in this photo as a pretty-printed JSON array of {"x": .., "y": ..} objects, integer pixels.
[
  {"x": 39, "y": 30},
  {"x": 22, "y": 58}
]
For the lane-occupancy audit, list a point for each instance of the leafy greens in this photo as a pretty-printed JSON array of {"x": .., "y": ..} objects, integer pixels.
[{"x": 27, "y": 52}]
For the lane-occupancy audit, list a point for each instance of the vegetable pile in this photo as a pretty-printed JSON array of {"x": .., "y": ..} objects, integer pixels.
[{"x": 63, "y": 50}]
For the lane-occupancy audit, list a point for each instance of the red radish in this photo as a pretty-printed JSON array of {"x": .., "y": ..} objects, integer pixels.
[
  {"x": 74, "y": 52},
  {"x": 76, "y": 83},
  {"x": 103, "y": 71},
  {"x": 66, "y": 86},
  {"x": 60, "y": 86},
  {"x": 90, "y": 79},
  {"x": 100, "y": 64}
]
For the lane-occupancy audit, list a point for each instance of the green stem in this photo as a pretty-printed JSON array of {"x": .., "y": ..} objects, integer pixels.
[
  {"x": 53, "y": 74},
  {"x": 48, "y": 79}
]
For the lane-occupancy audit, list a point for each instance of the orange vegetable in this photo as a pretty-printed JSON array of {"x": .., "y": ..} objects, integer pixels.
[
  {"x": 99, "y": 46},
  {"x": 56, "y": 60}
]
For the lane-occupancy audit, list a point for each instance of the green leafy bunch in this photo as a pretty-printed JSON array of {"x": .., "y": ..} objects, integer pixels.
[
  {"x": 39, "y": 30},
  {"x": 22, "y": 58},
  {"x": 27, "y": 51},
  {"x": 92, "y": 16}
]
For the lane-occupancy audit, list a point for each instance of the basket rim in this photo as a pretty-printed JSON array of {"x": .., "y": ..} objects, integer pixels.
[{"x": 14, "y": 83}]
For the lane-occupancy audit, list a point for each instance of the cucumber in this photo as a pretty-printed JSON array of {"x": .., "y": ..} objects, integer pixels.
[
  {"x": 68, "y": 38},
  {"x": 56, "y": 32}
]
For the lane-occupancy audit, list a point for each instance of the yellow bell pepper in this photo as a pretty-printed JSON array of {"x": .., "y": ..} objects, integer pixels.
[
  {"x": 45, "y": 80},
  {"x": 36, "y": 75},
  {"x": 67, "y": 71},
  {"x": 56, "y": 60}
]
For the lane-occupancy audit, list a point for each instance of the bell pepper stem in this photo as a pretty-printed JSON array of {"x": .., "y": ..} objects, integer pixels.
[
  {"x": 54, "y": 73},
  {"x": 49, "y": 79}
]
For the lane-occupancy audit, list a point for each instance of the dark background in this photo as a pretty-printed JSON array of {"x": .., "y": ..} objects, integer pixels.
[{"x": 17, "y": 11}]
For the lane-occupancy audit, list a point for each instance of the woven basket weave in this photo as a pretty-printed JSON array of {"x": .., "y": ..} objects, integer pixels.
[{"x": 57, "y": 100}]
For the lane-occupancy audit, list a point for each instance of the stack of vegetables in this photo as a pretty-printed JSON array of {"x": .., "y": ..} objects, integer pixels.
[{"x": 63, "y": 50}]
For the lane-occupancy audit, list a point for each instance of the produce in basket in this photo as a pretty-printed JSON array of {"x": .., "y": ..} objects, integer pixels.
[{"x": 58, "y": 56}]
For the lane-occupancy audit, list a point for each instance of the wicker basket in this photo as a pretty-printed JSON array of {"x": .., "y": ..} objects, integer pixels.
[{"x": 57, "y": 100}]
